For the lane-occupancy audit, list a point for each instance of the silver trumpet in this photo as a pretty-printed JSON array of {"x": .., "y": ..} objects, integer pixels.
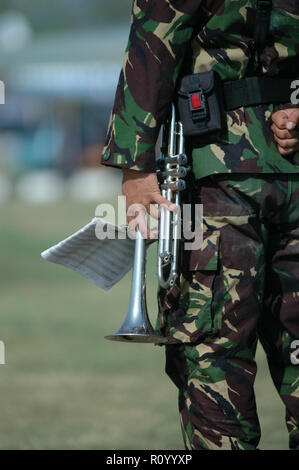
[{"x": 171, "y": 173}]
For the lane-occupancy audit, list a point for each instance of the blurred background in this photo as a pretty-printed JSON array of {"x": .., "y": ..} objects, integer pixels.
[{"x": 64, "y": 386}]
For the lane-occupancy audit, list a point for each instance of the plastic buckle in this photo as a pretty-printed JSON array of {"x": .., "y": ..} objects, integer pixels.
[{"x": 198, "y": 105}]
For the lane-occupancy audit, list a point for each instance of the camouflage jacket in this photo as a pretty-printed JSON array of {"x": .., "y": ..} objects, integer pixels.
[{"x": 171, "y": 37}]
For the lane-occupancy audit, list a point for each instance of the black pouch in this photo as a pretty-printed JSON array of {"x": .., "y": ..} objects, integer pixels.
[{"x": 200, "y": 104}]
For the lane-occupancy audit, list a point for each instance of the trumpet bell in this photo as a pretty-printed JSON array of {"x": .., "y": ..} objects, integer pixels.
[
  {"x": 137, "y": 327},
  {"x": 140, "y": 334}
]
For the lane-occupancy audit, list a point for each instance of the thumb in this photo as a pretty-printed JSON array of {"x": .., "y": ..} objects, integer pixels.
[
  {"x": 293, "y": 119},
  {"x": 280, "y": 118}
]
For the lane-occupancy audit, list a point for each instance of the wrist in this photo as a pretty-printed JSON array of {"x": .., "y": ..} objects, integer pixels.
[{"x": 128, "y": 173}]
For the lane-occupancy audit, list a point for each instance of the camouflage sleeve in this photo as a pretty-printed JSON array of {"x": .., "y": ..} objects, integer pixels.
[{"x": 159, "y": 37}]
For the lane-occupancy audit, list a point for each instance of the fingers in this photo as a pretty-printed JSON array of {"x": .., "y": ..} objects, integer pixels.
[
  {"x": 280, "y": 119},
  {"x": 154, "y": 211},
  {"x": 287, "y": 151},
  {"x": 287, "y": 145},
  {"x": 161, "y": 201},
  {"x": 143, "y": 196},
  {"x": 136, "y": 215},
  {"x": 293, "y": 118},
  {"x": 284, "y": 133},
  {"x": 139, "y": 222},
  {"x": 284, "y": 116},
  {"x": 137, "y": 218},
  {"x": 285, "y": 130}
]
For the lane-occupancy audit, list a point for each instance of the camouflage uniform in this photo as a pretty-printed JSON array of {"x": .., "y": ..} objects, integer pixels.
[{"x": 243, "y": 282}]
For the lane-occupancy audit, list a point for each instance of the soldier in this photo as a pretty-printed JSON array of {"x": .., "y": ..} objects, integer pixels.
[{"x": 243, "y": 283}]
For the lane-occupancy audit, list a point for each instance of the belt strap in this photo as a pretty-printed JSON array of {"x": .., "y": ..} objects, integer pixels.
[{"x": 252, "y": 91}]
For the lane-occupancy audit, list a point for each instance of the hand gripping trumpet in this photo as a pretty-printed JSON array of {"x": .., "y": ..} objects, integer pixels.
[{"x": 171, "y": 173}]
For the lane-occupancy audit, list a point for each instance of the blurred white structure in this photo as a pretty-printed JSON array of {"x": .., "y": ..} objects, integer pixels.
[
  {"x": 60, "y": 87},
  {"x": 75, "y": 65},
  {"x": 94, "y": 184},
  {"x": 15, "y": 31},
  {"x": 40, "y": 187},
  {"x": 49, "y": 187}
]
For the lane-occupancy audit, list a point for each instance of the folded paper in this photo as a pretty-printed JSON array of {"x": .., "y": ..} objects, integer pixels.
[{"x": 104, "y": 261}]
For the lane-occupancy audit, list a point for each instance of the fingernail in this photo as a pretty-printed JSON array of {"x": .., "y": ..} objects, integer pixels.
[{"x": 291, "y": 125}]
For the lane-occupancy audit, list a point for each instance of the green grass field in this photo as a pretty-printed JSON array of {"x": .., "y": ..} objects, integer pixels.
[{"x": 64, "y": 386}]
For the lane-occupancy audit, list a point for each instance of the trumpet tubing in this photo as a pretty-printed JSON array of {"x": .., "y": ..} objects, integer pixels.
[{"x": 172, "y": 171}]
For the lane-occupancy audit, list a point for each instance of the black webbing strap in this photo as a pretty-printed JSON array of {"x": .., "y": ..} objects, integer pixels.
[
  {"x": 262, "y": 21},
  {"x": 252, "y": 91}
]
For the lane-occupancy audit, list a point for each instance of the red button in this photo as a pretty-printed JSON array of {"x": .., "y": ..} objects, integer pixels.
[{"x": 196, "y": 101}]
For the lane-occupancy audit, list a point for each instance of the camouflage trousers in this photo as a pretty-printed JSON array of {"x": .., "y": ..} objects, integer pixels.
[{"x": 241, "y": 285}]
